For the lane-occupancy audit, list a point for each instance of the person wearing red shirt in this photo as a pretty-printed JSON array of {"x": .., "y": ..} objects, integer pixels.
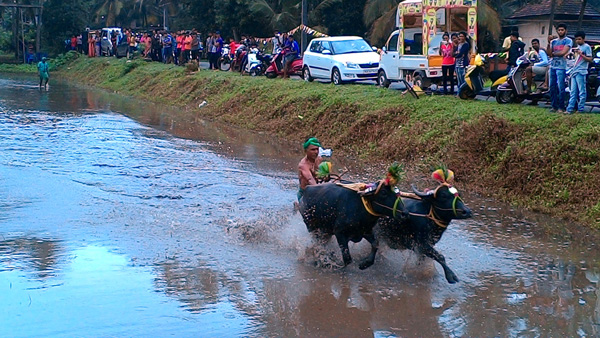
[
  {"x": 232, "y": 47},
  {"x": 73, "y": 42}
]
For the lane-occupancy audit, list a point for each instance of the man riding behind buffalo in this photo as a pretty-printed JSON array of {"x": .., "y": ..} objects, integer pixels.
[{"x": 307, "y": 168}]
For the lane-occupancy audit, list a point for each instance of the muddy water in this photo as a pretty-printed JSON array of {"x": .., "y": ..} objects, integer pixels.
[{"x": 117, "y": 219}]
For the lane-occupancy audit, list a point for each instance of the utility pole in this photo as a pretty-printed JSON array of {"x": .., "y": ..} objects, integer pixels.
[
  {"x": 304, "y": 21},
  {"x": 552, "y": 10},
  {"x": 581, "y": 14},
  {"x": 38, "y": 32},
  {"x": 23, "y": 36}
]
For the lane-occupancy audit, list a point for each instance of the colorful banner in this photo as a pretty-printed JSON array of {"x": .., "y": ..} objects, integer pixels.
[
  {"x": 429, "y": 26},
  {"x": 400, "y": 24},
  {"x": 306, "y": 29},
  {"x": 472, "y": 25}
]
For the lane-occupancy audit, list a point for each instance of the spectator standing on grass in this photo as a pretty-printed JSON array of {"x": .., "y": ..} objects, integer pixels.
[
  {"x": 179, "y": 39},
  {"x": 167, "y": 44},
  {"x": 218, "y": 49},
  {"x": 447, "y": 53},
  {"x": 195, "y": 46},
  {"x": 557, "y": 49},
  {"x": 187, "y": 47},
  {"x": 461, "y": 56},
  {"x": 92, "y": 46},
  {"x": 131, "y": 42},
  {"x": 210, "y": 42},
  {"x": 73, "y": 42},
  {"x": 80, "y": 43},
  {"x": 98, "y": 45},
  {"x": 583, "y": 57}
]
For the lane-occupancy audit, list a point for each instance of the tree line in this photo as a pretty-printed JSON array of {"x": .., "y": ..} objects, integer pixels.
[{"x": 373, "y": 19}]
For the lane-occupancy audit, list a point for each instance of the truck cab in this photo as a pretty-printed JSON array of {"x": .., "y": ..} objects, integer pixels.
[{"x": 411, "y": 52}]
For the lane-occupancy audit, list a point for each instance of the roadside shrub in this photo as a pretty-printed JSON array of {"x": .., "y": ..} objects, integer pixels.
[{"x": 64, "y": 59}]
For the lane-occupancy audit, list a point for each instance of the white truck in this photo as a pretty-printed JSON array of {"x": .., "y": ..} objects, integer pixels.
[{"x": 411, "y": 52}]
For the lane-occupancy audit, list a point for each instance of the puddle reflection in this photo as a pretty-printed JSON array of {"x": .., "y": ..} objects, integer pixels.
[{"x": 91, "y": 288}]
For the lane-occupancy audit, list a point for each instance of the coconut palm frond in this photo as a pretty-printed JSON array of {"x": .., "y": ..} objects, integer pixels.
[
  {"x": 327, "y": 3},
  {"x": 381, "y": 28},
  {"x": 374, "y": 9},
  {"x": 261, "y": 7},
  {"x": 489, "y": 18}
]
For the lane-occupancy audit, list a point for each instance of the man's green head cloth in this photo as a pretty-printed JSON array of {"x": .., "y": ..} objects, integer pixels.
[{"x": 311, "y": 142}]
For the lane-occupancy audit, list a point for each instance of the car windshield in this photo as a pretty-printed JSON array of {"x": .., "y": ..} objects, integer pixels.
[{"x": 350, "y": 46}]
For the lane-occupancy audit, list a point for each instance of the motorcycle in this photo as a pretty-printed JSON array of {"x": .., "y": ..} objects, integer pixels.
[
  {"x": 474, "y": 84},
  {"x": 239, "y": 58},
  {"x": 225, "y": 59},
  {"x": 276, "y": 67},
  {"x": 514, "y": 90},
  {"x": 257, "y": 62}
]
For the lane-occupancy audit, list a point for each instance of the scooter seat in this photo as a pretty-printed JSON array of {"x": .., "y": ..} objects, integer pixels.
[{"x": 496, "y": 74}]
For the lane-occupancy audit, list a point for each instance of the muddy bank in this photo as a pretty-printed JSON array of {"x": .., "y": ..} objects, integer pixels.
[{"x": 517, "y": 154}]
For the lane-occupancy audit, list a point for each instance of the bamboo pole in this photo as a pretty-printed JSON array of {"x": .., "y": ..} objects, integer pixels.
[{"x": 552, "y": 10}]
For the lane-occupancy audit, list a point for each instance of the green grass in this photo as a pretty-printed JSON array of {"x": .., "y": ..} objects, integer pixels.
[
  {"x": 519, "y": 154},
  {"x": 18, "y": 68}
]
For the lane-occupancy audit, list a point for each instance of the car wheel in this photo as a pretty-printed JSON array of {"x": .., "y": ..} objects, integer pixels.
[
  {"x": 306, "y": 74},
  {"x": 382, "y": 80},
  {"x": 336, "y": 77}
]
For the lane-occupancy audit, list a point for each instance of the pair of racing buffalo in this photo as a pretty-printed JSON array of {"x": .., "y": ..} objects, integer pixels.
[{"x": 408, "y": 220}]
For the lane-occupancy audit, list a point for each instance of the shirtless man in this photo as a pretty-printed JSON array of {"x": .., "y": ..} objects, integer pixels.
[{"x": 307, "y": 168}]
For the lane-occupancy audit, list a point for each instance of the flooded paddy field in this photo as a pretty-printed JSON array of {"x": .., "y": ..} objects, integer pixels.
[{"x": 120, "y": 218}]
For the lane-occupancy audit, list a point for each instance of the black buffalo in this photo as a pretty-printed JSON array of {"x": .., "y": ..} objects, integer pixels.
[
  {"x": 329, "y": 209},
  {"x": 428, "y": 217}
]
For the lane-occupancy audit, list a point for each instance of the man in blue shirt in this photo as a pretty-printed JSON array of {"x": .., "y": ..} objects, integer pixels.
[
  {"x": 167, "y": 50},
  {"x": 558, "y": 48},
  {"x": 583, "y": 57},
  {"x": 292, "y": 51}
]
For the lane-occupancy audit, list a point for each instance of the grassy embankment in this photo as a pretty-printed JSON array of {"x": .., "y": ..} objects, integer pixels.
[{"x": 515, "y": 153}]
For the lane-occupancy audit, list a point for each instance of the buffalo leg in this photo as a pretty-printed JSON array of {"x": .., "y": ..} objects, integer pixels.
[
  {"x": 430, "y": 252},
  {"x": 343, "y": 244},
  {"x": 367, "y": 262}
]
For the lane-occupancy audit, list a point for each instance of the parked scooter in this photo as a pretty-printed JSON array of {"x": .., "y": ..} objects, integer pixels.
[
  {"x": 594, "y": 75},
  {"x": 514, "y": 90},
  {"x": 257, "y": 62},
  {"x": 276, "y": 67},
  {"x": 473, "y": 85},
  {"x": 225, "y": 59}
]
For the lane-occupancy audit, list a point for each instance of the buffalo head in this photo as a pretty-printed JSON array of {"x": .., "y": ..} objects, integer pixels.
[
  {"x": 446, "y": 202},
  {"x": 385, "y": 200}
]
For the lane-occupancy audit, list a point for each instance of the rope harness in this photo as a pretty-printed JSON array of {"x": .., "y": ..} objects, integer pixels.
[{"x": 432, "y": 215}]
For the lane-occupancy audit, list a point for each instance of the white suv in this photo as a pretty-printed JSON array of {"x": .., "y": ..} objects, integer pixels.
[{"x": 340, "y": 59}]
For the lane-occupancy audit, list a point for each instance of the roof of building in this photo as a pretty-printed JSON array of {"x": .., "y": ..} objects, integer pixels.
[{"x": 564, "y": 9}]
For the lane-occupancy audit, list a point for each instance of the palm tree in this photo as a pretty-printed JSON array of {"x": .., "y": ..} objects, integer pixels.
[
  {"x": 280, "y": 14},
  {"x": 109, "y": 10}
]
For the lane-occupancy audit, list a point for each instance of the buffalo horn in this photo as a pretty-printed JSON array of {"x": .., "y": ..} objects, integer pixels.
[{"x": 417, "y": 192}]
